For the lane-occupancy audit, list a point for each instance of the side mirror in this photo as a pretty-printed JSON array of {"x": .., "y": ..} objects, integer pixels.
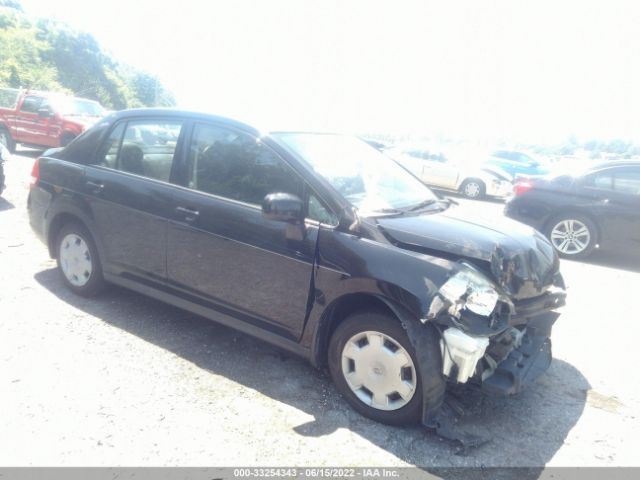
[
  {"x": 45, "y": 113},
  {"x": 283, "y": 207}
]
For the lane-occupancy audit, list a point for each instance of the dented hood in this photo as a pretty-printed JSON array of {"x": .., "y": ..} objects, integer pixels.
[{"x": 518, "y": 257}]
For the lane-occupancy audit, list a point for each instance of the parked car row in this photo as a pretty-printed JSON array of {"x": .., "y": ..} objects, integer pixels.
[
  {"x": 440, "y": 170},
  {"x": 595, "y": 206},
  {"x": 44, "y": 119}
]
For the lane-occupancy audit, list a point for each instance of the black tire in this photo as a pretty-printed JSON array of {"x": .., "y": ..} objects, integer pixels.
[
  {"x": 7, "y": 140},
  {"x": 586, "y": 221},
  {"x": 430, "y": 372},
  {"x": 66, "y": 139},
  {"x": 96, "y": 282},
  {"x": 475, "y": 194}
]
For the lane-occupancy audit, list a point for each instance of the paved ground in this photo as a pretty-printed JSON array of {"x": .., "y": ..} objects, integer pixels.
[{"x": 125, "y": 380}]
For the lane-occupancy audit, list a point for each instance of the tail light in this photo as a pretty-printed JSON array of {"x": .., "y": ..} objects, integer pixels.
[
  {"x": 35, "y": 173},
  {"x": 522, "y": 186}
]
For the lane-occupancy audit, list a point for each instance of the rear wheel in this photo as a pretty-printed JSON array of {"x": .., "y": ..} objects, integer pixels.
[
  {"x": 6, "y": 140},
  {"x": 374, "y": 366},
  {"x": 473, "y": 188},
  {"x": 572, "y": 235},
  {"x": 78, "y": 260}
]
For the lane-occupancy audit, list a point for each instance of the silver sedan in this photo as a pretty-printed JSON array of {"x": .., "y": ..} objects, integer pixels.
[{"x": 438, "y": 170}]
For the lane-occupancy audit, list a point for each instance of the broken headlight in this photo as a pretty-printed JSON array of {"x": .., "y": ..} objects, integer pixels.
[{"x": 469, "y": 289}]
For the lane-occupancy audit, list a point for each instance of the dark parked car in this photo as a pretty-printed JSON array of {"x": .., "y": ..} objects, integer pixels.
[
  {"x": 598, "y": 207},
  {"x": 317, "y": 243}
]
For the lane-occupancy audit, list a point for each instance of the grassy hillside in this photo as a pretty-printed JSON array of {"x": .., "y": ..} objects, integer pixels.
[{"x": 48, "y": 55}]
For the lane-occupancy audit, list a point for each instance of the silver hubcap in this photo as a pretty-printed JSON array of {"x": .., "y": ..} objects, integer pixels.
[
  {"x": 75, "y": 260},
  {"x": 378, "y": 370},
  {"x": 570, "y": 236},
  {"x": 472, "y": 189}
]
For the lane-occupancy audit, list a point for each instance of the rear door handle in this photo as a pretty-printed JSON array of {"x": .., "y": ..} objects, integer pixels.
[
  {"x": 190, "y": 214},
  {"x": 95, "y": 186}
]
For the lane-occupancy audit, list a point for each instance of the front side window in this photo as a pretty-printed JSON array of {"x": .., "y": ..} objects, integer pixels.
[
  {"x": 31, "y": 104},
  {"x": 77, "y": 107},
  {"x": 235, "y": 165},
  {"x": 601, "y": 180},
  {"x": 145, "y": 148},
  {"x": 366, "y": 178}
]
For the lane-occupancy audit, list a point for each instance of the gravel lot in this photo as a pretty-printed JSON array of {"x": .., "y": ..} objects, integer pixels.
[{"x": 126, "y": 380}]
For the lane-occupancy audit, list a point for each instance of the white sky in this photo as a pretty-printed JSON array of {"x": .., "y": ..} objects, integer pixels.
[{"x": 531, "y": 70}]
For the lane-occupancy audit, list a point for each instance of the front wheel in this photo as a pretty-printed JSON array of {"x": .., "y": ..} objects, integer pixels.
[
  {"x": 572, "y": 235},
  {"x": 374, "y": 366},
  {"x": 473, "y": 189},
  {"x": 78, "y": 260}
]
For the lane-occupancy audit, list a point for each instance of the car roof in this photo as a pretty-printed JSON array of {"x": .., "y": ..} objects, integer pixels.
[
  {"x": 180, "y": 113},
  {"x": 614, "y": 163}
]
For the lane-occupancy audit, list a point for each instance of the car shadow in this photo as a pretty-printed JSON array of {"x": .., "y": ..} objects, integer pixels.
[
  {"x": 5, "y": 205},
  {"x": 524, "y": 431}
]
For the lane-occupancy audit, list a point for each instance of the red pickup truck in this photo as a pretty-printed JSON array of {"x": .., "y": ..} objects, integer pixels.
[{"x": 44, "y": 119}]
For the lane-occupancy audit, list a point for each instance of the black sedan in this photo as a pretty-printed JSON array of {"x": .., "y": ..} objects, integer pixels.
[
  {"x": 596, "y": 208},
  {"x": 317, "y": 243}
]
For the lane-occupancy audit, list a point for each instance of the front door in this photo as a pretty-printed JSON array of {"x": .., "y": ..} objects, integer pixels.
[
  {"x": 30, "y": 126},
  {"x": 222, "y": 250}
]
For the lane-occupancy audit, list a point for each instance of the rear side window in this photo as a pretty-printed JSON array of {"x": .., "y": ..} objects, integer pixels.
[
  {"x": 235, "y": 165},
  {"x": 146, "y": 148},
  {"x": 601, "y": 180},
  {"x": 627, "y": 180}
]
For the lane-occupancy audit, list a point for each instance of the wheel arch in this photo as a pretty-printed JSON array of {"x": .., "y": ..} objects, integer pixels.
[
  {"x": 341, "y": 308},
  {"x": 56, "y": 225},
  {"x": 64, "y": 217},
  {"x": 468, "y": 179}
]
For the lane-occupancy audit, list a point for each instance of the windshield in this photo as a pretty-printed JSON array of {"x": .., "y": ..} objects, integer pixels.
[
  {"x": 78, "y": 107},
  {"x": 369, "y": 180}
]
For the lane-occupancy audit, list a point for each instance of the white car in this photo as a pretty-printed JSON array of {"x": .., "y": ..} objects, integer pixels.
[{"x": 440, "y": 170}]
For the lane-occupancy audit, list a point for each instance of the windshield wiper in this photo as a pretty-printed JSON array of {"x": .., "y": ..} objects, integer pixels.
[
  {"x": 420, "y": 205},
  {"x": 388, "y": 210}
]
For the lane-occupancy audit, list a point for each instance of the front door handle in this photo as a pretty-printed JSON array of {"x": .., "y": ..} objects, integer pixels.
[
  {"x": 95, "y": 187},
  {"x": 190, "y": 214}
]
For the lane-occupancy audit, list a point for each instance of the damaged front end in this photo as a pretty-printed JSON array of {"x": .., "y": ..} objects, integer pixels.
[{"x": 490, "y": 339}]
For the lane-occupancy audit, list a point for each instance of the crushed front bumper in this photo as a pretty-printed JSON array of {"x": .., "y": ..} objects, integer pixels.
[{"x": 525, "y": 363}]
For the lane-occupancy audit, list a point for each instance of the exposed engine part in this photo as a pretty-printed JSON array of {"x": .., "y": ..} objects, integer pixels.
[
  {"x": 470, "y": 301},
  {"x": 461, "y": 353},
  {"x": 499, "y": 348}
]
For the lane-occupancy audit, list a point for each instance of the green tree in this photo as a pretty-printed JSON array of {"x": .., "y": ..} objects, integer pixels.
[{"x": 49, "y": 55}]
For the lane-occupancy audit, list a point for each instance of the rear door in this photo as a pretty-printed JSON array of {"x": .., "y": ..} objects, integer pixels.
[
  {"x": 615, "y": 195},
  {"x": 222, "y": 250},
  {"x": 130, "y": 192},
  {"x": 626, "y": 201}
]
